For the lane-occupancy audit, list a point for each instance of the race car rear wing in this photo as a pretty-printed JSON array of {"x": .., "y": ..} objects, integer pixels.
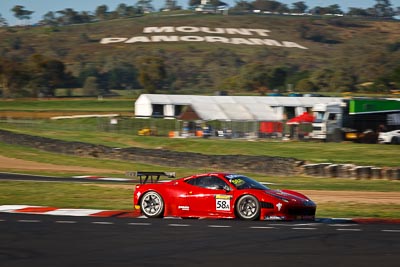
[{"x": 153, "y": 176}]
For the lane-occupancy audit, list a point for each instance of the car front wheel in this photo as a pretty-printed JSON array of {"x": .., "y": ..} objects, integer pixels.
[
  {"x": 395, "y": 140},
  {"x": 152, "y": 205},
  {"x": 248, "y": 208}
]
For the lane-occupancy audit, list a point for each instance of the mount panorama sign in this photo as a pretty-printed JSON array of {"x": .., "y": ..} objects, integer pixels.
[{"x": 192, "y": 34}]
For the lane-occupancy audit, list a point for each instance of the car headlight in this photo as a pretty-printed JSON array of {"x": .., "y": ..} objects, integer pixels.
[
  {"x": 309, "y": 203},
  {"x": 282, "y": 198}
]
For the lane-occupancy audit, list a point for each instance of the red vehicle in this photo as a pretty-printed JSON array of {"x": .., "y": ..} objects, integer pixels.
[{"x": 218, "y": 195}]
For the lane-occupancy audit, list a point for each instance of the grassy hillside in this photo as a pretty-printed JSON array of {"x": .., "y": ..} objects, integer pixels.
[{"x": 349, "y": 47}]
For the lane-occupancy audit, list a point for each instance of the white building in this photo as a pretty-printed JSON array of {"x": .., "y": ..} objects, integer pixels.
[{"x": 228, "y": 116}]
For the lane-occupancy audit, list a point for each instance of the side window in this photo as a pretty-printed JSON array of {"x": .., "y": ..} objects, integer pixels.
[
  {"x": 332, "y": 117},
  {"x": 217, "y": 183},
  {"x": 210, "y": 182}
]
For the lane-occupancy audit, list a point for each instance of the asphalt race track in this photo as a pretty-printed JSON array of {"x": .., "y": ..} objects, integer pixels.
[
  {"x": 40, "y": 240},
  {"x": 49, "y": 240}
]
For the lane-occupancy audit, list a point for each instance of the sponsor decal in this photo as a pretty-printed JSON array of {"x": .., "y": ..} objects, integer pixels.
[
  {"x": 187, "y": 34},
  {"x": 223, "y": 196},
  {"x": 237, "y": 182},
  {"x": 184, "y": 207},
  {"x": 231, "y": 176},
  {"x": 274, "y": 218}
]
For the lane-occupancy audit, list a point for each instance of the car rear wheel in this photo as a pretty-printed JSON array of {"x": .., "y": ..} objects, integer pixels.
[
  {"x": 152, "y": 205},
  {"x": 248, "y": 208}
]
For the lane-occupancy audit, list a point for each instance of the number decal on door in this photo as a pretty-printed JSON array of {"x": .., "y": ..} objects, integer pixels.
[{"x": 223, "y": 202}]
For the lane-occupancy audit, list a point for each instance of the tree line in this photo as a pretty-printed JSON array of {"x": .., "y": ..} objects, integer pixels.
[
  {"x": 381, "y": 9},
  {"x": 40, "y": 76}
]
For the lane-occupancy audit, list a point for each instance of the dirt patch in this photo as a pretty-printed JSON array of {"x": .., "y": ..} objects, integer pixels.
[
  {"x": 117, "y": 186},
  {"x": 49, "y": 114},
  {"x": 20, "y": 164},
  {"x": 353, "y": 196}
]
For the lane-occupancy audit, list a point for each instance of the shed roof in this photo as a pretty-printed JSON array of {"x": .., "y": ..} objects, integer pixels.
[
  {"x": 243, "y": 108},
  {"x": 269, "y": 100}
]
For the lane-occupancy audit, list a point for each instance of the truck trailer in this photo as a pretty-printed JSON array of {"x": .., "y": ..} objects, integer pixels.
[{"x": 358, "y": 119}]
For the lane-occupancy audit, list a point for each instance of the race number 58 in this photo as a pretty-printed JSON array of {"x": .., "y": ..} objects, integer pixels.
[{"x": 223, "y": 204}]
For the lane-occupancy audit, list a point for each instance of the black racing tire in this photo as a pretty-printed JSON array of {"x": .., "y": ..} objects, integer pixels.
[
  {"x": 152, "y": 205},
  {"x": 248, "y": 208}
]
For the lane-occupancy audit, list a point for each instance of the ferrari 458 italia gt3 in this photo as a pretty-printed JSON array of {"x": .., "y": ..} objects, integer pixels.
[{"x": 219, "y": 195}]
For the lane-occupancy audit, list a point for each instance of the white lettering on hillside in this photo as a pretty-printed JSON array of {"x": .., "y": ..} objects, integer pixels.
[
  {"x": 112, "y": 40},
  {"x": 210, "y": 39},
  {"x": 158, "y": 29},
  {"x": 191, "y": 29}
]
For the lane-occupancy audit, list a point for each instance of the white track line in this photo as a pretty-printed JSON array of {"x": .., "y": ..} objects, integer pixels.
[
  {"x": 219, "y": 226},
  {"x": 304, "y": 228},
  {"x": 178, "y": 225},
  {"x": 139, "y": 223},
  {"x": 29, "y": 221},
  {"x": 73, "y": 212}
]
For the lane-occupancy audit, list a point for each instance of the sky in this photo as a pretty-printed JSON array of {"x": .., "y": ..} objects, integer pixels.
[{"x": 41, "y": 7}]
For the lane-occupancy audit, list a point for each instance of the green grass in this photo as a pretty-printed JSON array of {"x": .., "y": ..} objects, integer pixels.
[
  {"x": 354, "y": 210},
  {"x": 66, "y": 195},
  {"x": 117, "y": 167},
  {"x": 98, "y": 131},
  {"x": 109, "y": 105},
  {"x": 361, "y": 154}
]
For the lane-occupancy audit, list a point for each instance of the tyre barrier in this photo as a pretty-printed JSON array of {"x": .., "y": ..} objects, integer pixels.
[{"x": 350, "y": 171}]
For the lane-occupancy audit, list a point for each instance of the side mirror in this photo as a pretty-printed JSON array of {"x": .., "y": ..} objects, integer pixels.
[
  {"x": 226, "y": 188},
  {"x": 222, "y": 187}
]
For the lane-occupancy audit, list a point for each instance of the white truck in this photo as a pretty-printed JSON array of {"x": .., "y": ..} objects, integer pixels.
[{"x": 328, "y": 121}]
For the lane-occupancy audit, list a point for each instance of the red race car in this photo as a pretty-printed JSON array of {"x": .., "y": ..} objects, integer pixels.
[{"x": 218, "y": 195}]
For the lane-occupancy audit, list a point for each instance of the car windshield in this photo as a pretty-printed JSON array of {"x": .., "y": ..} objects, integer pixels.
[
  {"x": 244, "y": 182},
  {"x": 319, "y": 116}
]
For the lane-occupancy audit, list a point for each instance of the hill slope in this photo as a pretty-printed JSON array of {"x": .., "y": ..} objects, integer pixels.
[{"x": 340, "y": 51}]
